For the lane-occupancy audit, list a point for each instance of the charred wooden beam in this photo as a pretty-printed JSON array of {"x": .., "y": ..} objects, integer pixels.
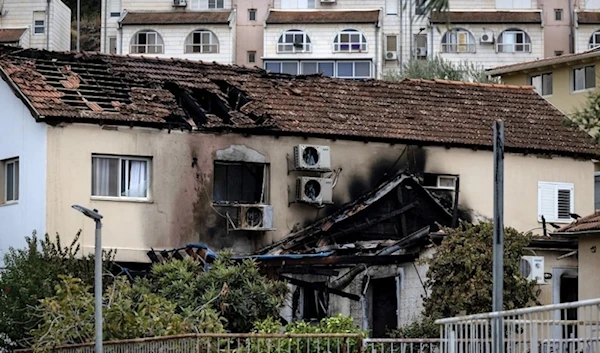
[
  {"x": 320, "y": 287},
  {"x": 337, "y": 260},
  {"x": 310, "y": 271}
]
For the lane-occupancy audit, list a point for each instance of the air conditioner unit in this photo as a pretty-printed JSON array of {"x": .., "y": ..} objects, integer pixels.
[
  {"x": 314, "y": 190},
  {"x": 180, "y": 3},
  {"x": 328, "y": 1},
  {"x": 391, "y": 55},
  {"x": 311, "y": 157},
  {"x": 421, "y": 52},
  {"x": 255, "y": 217},
  {"x": 487, "y": 38},
  {"x": 532, "y": 268}
]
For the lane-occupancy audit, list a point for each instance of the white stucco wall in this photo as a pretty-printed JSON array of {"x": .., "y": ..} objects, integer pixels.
[
  {"x": 24, "y": 138},
  {"x": 174, "y": 37},
  {"x": 583, "y": 33}
]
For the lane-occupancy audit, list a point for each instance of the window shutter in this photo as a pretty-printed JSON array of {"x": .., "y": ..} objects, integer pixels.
[
  {"x": 547, "y": 201},
  {"x": 564, "y": 202}
]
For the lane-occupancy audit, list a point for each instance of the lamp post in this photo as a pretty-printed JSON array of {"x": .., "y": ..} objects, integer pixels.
[{"x": 97, "y": 217}]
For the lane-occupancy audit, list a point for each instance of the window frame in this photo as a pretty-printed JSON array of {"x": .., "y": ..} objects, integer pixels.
[
  {"x": 216, "y": 4},
  {"x": 526, "y": 43},
  {"x": 252, "y": 13},
  {"x": 36, "y": 25},
  {"x": 121, "y": 158},
  {"x": 282, "y": 43},
  {"x": 574, "y": 79},
  {"x": 471, "y": 44},
  {"x": 189, "y": 42},
  {"x": 15, "y": 162},
  {"x": 362, "y": 43},
  {"x": 594, "y": 41},
  {"x": 317, "y": 62},
  {"x": 110, "y": 47},
  {"x": 556, "y": 186},
  {"x": 541, "y": 91},
  {"x": 265, "y": 183},
  {"x": 134, "y": 43},
  {"x": 558, "y": 13},
  {"x": 281, "y": 62},
  {"x": 251, "y": 54},
  {"x": 353, "y": 69}
]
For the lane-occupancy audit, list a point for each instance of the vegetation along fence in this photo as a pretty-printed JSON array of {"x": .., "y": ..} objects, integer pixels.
[{"x": 227, "y": 343}]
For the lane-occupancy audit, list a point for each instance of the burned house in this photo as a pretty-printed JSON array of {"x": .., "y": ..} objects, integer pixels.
[{"x": 174, "y": 152}]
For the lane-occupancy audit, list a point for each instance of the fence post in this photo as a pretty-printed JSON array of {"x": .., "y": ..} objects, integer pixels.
[{"x": 359, "y": 344}]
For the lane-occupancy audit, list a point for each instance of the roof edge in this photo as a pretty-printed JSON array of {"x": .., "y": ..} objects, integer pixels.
[
  {"x": 36, "y": 115},
  {"x": 536, "y": 64}
]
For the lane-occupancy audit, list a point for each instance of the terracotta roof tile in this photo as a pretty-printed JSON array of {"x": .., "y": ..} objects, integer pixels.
[
  {"x": 293, "y": 17},
  {"x": 146, "y": 92},
  {"x": 487, "y": 17},
  {"x": 11, "y": 35},
  {"x": 188, "y": 17},
  {"x": 586, "y": 224},
  {"x": 588, "y": 17}
]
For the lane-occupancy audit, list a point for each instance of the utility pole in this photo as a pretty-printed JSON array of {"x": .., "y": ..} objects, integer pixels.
[
  {"x": 498, "y": 271},
  {"x": 78, "y": 22}
]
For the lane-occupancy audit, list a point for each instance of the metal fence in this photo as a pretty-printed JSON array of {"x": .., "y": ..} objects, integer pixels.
[
  {"x": 401, "y": 345},
  {"x": 227, "y": 343},
  {"x": 560, "y": 328}
]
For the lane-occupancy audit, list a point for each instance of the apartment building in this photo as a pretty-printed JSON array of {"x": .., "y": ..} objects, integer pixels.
[
  {"x": 339, "y": 38},
  {"x": 42, "y": 24}
]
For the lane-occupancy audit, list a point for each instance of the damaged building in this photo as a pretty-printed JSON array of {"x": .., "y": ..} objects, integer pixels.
[{"x": 322, "y": 180}]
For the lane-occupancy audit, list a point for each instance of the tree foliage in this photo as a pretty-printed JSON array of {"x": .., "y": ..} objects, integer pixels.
[
  {"x": 439, "y": 68},
  {"x": 460, "y": 274},
  {"x": 30, "y": 275},
  {"x": 177, "y": 297},
  {"x": 588, "y": 117}
]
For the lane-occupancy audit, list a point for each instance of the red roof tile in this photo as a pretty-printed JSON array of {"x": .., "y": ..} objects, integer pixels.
[
  {"x": 487, "y": 17},
  {"x": 588, "y": 17},
  {"x": 146, "y": 92},
  {"x": 296, "y": 17},
  {"x": 588, "y": 224},
  {"x": 11, "y": 35},
  {"x": 188, "y": 17}
]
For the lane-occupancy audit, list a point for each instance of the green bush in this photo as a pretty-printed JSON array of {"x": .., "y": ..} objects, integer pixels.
[{"x": 30, "y": 275}]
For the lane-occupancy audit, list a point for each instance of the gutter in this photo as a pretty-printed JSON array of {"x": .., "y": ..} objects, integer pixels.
[
  {"x": 37, "y": 116},
  {"x": 541, "y": 64},
  {"x": 576, "y": 234}
]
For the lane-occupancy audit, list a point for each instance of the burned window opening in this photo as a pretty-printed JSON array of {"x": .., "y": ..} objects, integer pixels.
[
  {"x": 315, "y": 304},
  {"x": 240, "y": 182}
]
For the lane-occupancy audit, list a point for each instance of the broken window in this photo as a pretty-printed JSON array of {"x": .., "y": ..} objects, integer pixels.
[
  {"x": 240, "y": 182},
  {"x": 315, "y": 304},
  {"x": 120, "y": 177}
]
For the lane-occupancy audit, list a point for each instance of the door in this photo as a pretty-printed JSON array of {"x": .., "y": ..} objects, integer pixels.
[
  {"x": 384, "y": 305},
  {"x": 568, "y": 293}
]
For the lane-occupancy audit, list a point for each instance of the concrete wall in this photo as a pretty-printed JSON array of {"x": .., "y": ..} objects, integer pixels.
[
  {"x": 181, "y": 211},
  {"x": 563, "y": 97},
  {"x": 250, "y": 34},
  {"x": 559, "y": 31},
  {"x": 589, "y": 263},
  {"x": 174, "y": 37},
  {"x": 22, "y": 137}
]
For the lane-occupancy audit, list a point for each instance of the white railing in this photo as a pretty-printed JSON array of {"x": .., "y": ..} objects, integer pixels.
[
  {"x": 560, "y": 328},
  {"x": 146, "y": 49},
  {"x": 401, "y": 345}
]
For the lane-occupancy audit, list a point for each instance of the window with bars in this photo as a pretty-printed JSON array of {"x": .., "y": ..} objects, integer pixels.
[
  {"x": 513, "y": 41},
  {"x": 294, "y": 41},
  {"x": 555, "y": 201},
  {"x": 121, "y": 177},
  {"x": 350, "y": 41},
  {"x": 9, "y": 177},
  {"x": 584, "y": 78},
  {"x": 458, "y": 41},
  {"x": 147, "y": 42},
  {"x": 201, "y": 41},
  {"x": 542, "y": 84}
]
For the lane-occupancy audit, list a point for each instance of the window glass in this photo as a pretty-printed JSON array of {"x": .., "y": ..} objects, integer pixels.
[
  {"x": 345, "y": 69},
  {"x": 326, "y": 69},
  {"x": 362, "y": 69},
  {"x": 273, "y": 67},
  {"x": 239, "y": 182},
  {"x": 590, "y": 77},
  {"x": 120, "y": 177},
  {"x": 309, "y": 68},
  {"x": 105, "y": 176},
  {"x": 289, "y": 68}
]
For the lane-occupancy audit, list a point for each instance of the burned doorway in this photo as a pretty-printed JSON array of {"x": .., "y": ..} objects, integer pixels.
[
  {"x": 384, "y": 305},
  {"x": 569, "y": 293}
]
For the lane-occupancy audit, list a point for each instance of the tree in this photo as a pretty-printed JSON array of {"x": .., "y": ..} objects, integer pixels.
[
  {"x": 30, "y": 275},
  {"x": 588, "y": 117},
  {"x": 439, "y": 68},
  {"x": 460, "y": 272}
]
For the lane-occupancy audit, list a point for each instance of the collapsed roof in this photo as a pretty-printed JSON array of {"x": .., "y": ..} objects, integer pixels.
[{"x": 180, "y": 94}]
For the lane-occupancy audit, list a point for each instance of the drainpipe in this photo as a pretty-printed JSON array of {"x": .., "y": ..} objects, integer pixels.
[
  {"x": 430, "y": 39},
  {"x": 571, "y": 28},
  {"x": 410, "y": 30},
  {"x": 105, "y": 26},
  {"x": 400, "y": 35},
  {"x": 378, "y": 55},
  {"x": 48, "y": 25}
]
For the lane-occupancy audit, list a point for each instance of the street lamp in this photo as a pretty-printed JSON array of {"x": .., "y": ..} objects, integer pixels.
[{"x": 97, "y": 217}]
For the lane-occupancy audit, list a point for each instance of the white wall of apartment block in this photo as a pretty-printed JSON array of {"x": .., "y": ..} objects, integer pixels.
[
  {"x": 486, "y": 55},
  {"x": 174, "y": 36},
  {"x": 583, "y": 33},
  {"x": 60, "y": 26}
]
